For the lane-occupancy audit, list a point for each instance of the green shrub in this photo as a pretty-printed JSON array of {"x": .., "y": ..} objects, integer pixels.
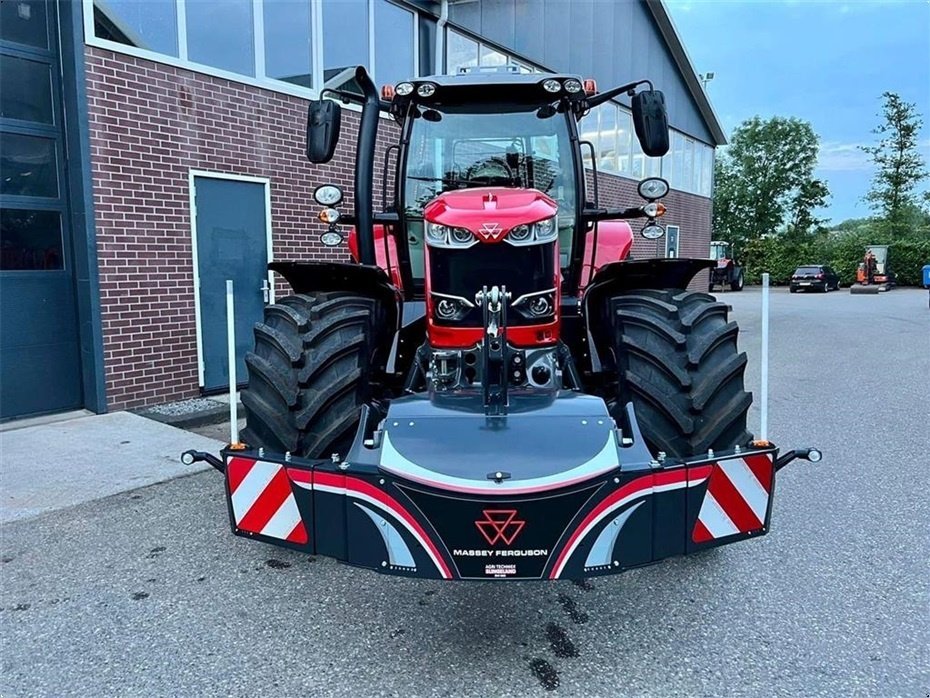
[{"x": 780, "y": 255}]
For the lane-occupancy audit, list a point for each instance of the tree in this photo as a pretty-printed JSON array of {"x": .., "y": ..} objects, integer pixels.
[
  {"x": 811, "y": 195},
  {"x": 765, "y": 180},
  {"x": 899, "y": 165}
]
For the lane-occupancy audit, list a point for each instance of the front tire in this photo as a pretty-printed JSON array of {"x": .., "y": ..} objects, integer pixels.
[
  {"x": 312, "y": 369},
  {"x": 678, "y": 363}
]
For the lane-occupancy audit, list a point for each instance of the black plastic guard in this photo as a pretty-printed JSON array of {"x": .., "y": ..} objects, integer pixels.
[{"x": 637, "y": 515}]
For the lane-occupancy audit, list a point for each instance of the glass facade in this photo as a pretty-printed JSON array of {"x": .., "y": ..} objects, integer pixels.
[
  {"x": 464, "y": 52},
  {"x": 688, "y": 166},
  {"x": 305, "y": 43}
]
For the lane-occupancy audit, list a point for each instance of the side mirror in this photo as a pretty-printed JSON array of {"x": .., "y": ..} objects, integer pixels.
[
  {"x": 651, "y": 122},
  {"x": 323, "y": 120}
]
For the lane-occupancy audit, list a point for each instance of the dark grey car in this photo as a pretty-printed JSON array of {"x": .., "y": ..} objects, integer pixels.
[{"x": 816, "y": 277}]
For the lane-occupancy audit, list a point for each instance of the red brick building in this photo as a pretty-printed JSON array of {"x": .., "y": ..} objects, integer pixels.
[{"x": 171, "y": 151}]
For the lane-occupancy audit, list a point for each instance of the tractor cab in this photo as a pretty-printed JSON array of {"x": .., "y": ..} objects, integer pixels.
[{"x": 720, "y": 251}]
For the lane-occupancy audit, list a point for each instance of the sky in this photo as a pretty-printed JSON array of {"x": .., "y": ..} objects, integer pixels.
[{"x": 827, "y": 62}]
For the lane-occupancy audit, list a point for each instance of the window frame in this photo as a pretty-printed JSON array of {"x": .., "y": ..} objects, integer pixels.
[{"x": 258, "y": 36}]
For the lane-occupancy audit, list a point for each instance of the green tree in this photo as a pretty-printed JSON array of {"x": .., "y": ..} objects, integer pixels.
[
  {"x": 764, "y": 180},
  {"x": 900, "y": 167},
  {"x": 811, "y": 195}
]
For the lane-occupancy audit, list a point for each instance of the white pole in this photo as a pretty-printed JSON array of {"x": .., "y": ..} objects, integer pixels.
[
  {"x": 231, "y": 342},
  {"x": 764, "y": 419}
]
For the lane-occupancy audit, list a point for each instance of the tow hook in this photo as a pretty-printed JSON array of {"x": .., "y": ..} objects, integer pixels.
[
  {"x": 191, "y": 457},
  {"x": 809, "y": 454}
]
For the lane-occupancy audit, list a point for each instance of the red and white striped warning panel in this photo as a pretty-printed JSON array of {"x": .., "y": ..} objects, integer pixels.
[
  {"x": 262, "y": 500},
  {"x": 736, "y": 500}
]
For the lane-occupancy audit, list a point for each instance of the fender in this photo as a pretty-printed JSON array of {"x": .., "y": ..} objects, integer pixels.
[
  {"x": 364, "y": 279},
  {"x": 630, "y": 275}
]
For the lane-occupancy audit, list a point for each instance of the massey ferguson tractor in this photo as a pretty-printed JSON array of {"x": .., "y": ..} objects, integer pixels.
[{"x": 490, "y": 388}]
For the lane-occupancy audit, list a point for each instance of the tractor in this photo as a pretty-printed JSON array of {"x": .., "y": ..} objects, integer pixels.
[
  {"x": 491, "y": 388},
  {"x": 727, "y": 272}
]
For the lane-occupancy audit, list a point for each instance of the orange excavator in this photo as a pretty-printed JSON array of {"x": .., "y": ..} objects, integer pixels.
[{"x": 873, "y": 274}]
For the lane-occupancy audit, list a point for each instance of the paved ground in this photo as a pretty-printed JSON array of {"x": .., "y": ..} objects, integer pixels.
[
  {"x": 146, "y": 593},
  {"x": 57, "y": 464}
]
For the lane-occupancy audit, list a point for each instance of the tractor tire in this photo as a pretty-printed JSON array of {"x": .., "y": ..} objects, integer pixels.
[
  {"x": 678, "y": 363},
  {"x": 312, "y": 369},
  {"x": 737, "y": 283}
]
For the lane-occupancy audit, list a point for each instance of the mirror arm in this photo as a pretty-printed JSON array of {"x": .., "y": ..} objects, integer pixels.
[
  {"x": 602, "y": 97},
  {"x": 613, "y": 214}
]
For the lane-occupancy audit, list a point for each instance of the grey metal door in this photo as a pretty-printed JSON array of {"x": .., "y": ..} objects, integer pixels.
[
  {"x": 232, "y": 243},
  {"x": 40, "y": 358}
]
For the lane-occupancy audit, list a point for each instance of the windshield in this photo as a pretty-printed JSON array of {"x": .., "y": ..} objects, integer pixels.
[{"x": 509, "y": 147}]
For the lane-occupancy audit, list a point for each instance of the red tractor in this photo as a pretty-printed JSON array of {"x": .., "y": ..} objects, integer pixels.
[
  {"x": 728, "y": 273},
  {"x": 491, "y": 388}
]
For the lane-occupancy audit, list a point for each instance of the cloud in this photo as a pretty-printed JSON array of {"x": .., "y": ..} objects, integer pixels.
[{"x": 842, "y": 157}]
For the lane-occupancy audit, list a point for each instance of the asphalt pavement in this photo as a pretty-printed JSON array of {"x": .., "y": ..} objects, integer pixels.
[{"x": 147, "y": 592}]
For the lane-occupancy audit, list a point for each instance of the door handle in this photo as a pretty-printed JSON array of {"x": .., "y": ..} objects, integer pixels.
[{"x": 266, "y": 291}]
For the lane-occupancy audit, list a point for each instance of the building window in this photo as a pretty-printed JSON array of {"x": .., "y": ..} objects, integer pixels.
[
  {"x": 28, "y": 166},
  {"x": 394, "y": 45},
  {"x": 463, "y": 52},
  {"x": 30, "y": 240},
  {"x": 267, "y": 42},
  {"x": 490, "y": 57},
  {"x": 345, "y": 36},
  {"x": 24, "y": 22},
  {"x": 606, "y": 143},
  {"x": 27, "y": 90},
  {"x": 288, "y": 41},
  {"x": 151, "y": 25},
  {"x": 220, "y": 34}
]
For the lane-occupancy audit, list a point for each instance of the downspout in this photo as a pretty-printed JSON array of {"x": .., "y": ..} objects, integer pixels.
[{"x": 441, "y": 37}]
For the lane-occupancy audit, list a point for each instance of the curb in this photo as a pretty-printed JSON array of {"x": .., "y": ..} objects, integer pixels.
[{"x": 191, "y": 420}]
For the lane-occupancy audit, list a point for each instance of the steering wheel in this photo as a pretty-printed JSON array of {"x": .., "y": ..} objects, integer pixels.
[{"x": 492, "y": 171}]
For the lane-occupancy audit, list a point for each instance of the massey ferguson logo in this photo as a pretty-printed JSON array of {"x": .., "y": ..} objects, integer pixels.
[
  {"x": 500, "y": 525},
  {"x": 490, "y": 231}
]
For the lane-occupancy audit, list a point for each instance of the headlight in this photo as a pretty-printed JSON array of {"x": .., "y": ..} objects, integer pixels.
[
  {"x": 535, "y": 305},
  {"x": 462, "y": 237},
  {"x": 427, "y": 89},
  {"x": 327, "y": 195},
  {"x": 653, "y": 188},
  {"x": 450, "y": 307},
  {"x": 652, "y": 232},
  {"x": 542, "y": 231},
  {"x": 329, "y": 215},
  {"x": 438, "y": 235}
]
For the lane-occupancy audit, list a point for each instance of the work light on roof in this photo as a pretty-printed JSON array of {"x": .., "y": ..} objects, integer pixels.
[
  {"x": 404, "y": 89},
  {"x": 427, "y": 89},
  {"x": 572, "y": 86},
  {"x": 552, "y": 85}
]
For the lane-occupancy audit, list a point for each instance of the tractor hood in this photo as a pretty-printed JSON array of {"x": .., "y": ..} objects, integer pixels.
[{"x": 490, "y": 212}]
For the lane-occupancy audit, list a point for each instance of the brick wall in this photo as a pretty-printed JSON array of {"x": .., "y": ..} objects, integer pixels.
[
  {"x": 150, "y": 124},
  {"x": 691, "y": 213}
]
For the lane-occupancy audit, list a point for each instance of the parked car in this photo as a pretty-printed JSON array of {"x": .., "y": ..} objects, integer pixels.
[{"x": 814, "y": 276}]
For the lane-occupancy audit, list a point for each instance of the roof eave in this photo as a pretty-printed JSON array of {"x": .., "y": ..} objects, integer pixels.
[{"x": 673, "y": 40}]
